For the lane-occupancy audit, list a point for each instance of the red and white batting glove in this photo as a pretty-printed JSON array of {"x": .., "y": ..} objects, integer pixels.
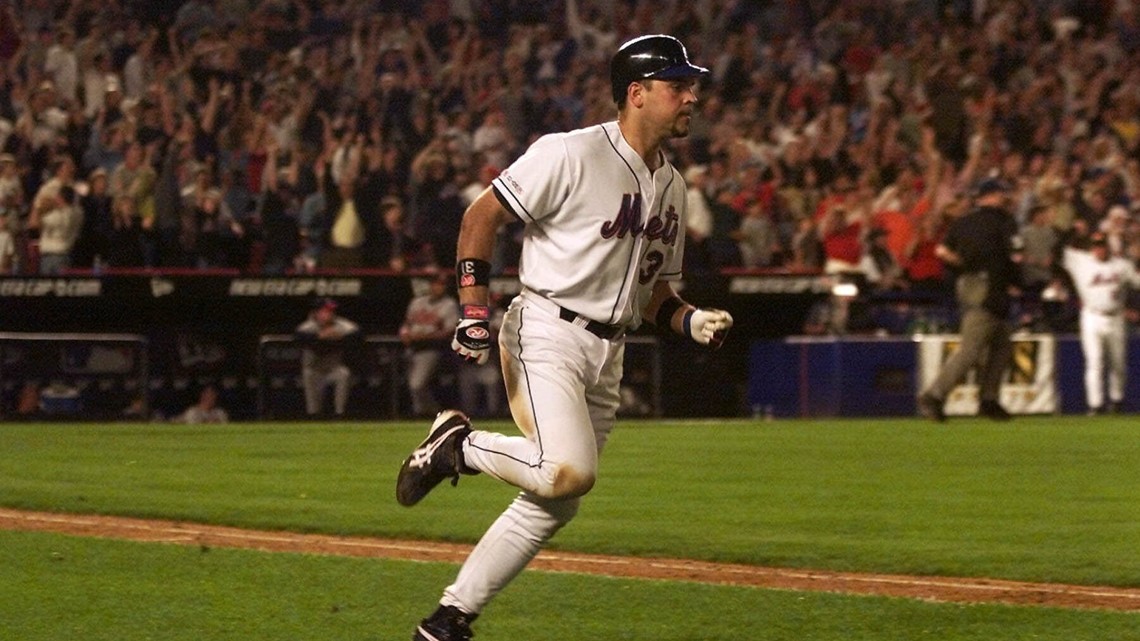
[
  {"x": 708, "y": 326},
  {"x": 473, "y": 334}
]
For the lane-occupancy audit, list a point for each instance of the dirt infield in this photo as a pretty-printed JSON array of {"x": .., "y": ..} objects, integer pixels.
[{"x": 947, "y": 589}]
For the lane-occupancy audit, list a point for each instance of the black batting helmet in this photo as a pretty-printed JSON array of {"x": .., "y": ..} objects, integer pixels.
[{"x": 659, "y": 57}]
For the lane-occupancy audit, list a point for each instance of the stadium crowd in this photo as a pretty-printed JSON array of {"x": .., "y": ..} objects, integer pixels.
[{"x": 276, "y": 136}]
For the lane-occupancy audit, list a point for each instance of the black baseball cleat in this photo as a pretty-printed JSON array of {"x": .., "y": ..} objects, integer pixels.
[
  {"x": 994, "y": 411},
  {"x": 931, "y": 407},
  {"x": 448, "y": 623},
  {"x": 438, "y": 457}
]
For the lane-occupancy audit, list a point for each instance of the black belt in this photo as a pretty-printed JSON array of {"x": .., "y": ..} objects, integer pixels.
[{"x": 601, "y": 330}]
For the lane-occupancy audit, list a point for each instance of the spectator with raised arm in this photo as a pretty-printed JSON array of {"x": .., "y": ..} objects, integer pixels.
[
  {"x": 60, "y": 224},
  {"x": 344, "y": 230}
]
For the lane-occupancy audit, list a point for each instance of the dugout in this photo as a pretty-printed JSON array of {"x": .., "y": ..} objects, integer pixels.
[{"x": 205, "y": 327}]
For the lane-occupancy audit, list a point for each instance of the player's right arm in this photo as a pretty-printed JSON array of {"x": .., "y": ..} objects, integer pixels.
[
  {"x": 477, "y": 235},
  {"x": 947, "y": 250},
  {"x": 307, "y": 331},
  {"x": 1073, "y": 259},
  {"x": 1131, "y": 274}
]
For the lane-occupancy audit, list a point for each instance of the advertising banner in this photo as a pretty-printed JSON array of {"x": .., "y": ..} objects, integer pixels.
[{"x": 1028, "y": 387}]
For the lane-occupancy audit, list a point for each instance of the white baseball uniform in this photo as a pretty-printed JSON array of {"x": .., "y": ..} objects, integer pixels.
[
  {"x": 1101, "y": 287},
  {"x": 600, "y": 230},
  {"x": 426, "y": 317},
  {"x": 322, "y": 362}
]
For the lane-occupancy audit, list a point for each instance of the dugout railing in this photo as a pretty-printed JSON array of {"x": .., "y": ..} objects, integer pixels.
[
  {"x": 378, "y": 385},
  {"x": 108, "y": 376}
]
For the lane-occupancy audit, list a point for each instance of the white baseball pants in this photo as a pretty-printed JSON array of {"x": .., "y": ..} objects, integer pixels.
[
  {"x": 316, "y": 380},
  {"x": 563, "y": 388},
  {"x": 1104, "y": 341}
]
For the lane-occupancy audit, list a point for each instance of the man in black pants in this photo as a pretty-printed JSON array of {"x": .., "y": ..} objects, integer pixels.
[{"x": 980, "y": 248}]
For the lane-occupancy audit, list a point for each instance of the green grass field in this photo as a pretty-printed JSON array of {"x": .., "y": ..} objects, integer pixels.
[{"x": 1041, "y": 499}]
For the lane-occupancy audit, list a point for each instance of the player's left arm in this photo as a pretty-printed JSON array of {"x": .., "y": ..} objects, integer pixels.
[
  {"x": 1132, "y": 275},
  {"x": 706, "y": 326},
  {"x": 1131, "y": 280}
]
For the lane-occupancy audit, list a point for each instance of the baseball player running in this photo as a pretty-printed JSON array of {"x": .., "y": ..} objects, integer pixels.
[
  {"x": 604, "y": 217},
  {"x": 1100, "y": 280}
]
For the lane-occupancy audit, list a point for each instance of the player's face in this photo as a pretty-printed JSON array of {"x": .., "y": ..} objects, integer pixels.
[{"x": 672, "y": 104}]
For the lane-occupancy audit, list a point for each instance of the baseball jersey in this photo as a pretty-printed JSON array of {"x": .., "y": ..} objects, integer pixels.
[
  {"x": 1100, "y": 284},
  {"x": 600, "y": 228},
  {"x": 426, "y": 316},
  {"x": 328, "y": 352}
]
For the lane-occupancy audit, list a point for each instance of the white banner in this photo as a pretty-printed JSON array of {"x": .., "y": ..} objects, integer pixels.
[{"x": 1028, "y": 386}]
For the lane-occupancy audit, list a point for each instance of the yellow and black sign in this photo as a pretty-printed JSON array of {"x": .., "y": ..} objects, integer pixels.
[{"x": 1028, "y": 386}]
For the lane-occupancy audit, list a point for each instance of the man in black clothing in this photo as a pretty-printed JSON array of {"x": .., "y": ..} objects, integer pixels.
[{"x": 980, "y": 248}]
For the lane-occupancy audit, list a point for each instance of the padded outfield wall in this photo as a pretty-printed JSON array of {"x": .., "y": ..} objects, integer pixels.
[{"x": 882, "y": 376}]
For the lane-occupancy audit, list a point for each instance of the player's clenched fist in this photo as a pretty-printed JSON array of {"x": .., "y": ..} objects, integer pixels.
[
  {"x": 708, "y": 326},
  {"x": 473, "y": 334}
]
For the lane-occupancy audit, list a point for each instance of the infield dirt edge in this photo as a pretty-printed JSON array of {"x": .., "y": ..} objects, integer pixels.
[{"x": 931, "y": 588}]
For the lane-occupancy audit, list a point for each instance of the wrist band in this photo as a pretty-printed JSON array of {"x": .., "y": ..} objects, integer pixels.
[
  {"x": 477, "y": 312},
  {"x": 472, "y": 272},
  {"x": 665, "y": 312},
  {"x": 687, "y": 325}
]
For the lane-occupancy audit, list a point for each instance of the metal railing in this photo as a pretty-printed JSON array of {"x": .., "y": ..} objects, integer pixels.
[
  {"x": 93, "y": 362},
  {"x": 279, "y": 367},
  {"x": 279, "y": 363}
]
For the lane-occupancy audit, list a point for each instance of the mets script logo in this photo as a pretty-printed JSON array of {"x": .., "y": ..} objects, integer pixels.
[
  {"x": 1103, "y": 278},
  {"x": 662, "y": 227}
]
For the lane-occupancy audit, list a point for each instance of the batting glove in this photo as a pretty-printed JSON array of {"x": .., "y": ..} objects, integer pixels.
[
  {"x": 473, "y": 334},
  {"x": 708, "y": 326}
]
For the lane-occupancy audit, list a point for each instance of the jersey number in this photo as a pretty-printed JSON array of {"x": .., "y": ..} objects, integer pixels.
[{"x": 651, "y": 265}]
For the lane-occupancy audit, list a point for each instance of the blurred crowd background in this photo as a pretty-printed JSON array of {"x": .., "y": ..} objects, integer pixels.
[{"x": 282, "y": 136}]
